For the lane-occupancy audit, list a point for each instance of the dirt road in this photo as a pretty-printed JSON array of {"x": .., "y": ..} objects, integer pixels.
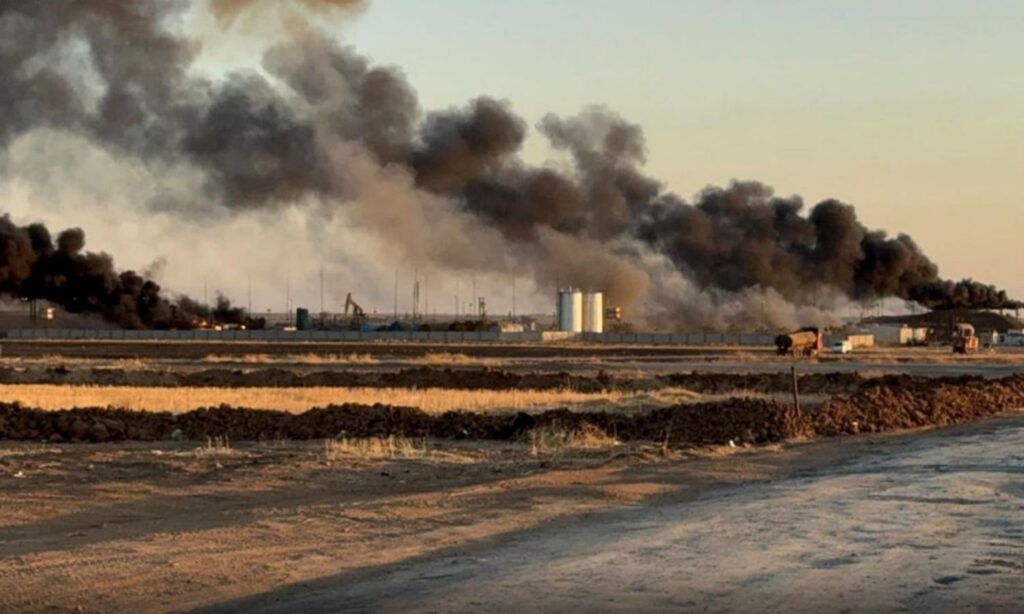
[{"x": 928, "y": 523}]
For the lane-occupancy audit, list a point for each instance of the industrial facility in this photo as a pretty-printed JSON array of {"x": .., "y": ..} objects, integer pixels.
[{"x": 579, "y": 314}]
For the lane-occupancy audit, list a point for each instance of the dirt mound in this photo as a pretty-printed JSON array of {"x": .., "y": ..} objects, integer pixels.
[
  {"x": 421, "y": 377},
  {"x": 886, "y": 404},
  {"x": 426, "y": 377},
  {"x": 810, "y": 383},
  {"x": 901, "y": 402},
  {"x": 740, "y": 420}
]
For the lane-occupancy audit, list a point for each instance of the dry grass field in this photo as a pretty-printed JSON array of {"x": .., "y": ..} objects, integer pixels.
[
  {"x": 256, "y": 359},
  {"x": 434, "y": 400},
  {"x": 308, "y": 359},
  {"x": 311, "y": 358}
]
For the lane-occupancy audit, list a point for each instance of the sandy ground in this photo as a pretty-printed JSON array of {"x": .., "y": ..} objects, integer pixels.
[{"x": 927, "y": 521}]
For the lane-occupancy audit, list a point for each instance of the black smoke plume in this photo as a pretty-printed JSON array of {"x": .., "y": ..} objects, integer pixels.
[
  {"x": 596, "y": 219},
  {"x": 35, "y": 267}
]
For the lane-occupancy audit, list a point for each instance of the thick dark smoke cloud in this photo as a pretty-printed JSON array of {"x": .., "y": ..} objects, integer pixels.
[
  {"x": 963, "y": 294},
  {"x": 744, "y": 236},
  {"x": 34, "y": 266},
  {"x": 600, "y": 200},
  {"x": 255, "y": 151},
  {"x": 123, "y": 95},
  {"x": 346, "y": 97},
  {"x": 459, "y": 146},
  {"x": 607, "y": 152},
  {"x": 114, "y": 73},
  {"x": 734, "y": 238}
]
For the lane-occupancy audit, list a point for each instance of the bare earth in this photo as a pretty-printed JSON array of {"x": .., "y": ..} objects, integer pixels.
[
  {"x": 927, "y": 521},
  {"x": 917, "y": 521},
  {"x": 572, "y": 357}
]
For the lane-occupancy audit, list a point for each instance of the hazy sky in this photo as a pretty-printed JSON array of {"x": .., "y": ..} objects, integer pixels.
[{"x": 911, "y": 110}]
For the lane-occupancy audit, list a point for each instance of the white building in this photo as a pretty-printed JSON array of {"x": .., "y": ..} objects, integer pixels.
[
  {"x": 896, "y": 334},
  {"x": 1011, "y": 338}
]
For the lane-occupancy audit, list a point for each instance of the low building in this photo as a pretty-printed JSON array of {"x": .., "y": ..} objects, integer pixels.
[
  {"x": 896, "y": 334},
  {"x": 856, "y": 340},
  {"x": 1011, "y": 338},
  {"x": 861, "y": 340}
]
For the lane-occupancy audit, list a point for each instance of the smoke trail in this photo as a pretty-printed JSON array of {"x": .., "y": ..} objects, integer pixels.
[{"x": 332, "y": 133}]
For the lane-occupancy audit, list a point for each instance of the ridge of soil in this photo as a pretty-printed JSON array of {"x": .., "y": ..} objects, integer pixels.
[
  {"x": 883, "y": 404},
  {"x": 425, "y": 377}
]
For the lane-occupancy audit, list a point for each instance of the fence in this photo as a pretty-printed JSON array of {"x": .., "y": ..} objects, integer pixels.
[{"x": 394, "y": 336}]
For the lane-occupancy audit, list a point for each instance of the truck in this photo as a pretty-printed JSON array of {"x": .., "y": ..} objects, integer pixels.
[
  {"x": 964, "y": 339},
  {"x": 807, "y": 341}
]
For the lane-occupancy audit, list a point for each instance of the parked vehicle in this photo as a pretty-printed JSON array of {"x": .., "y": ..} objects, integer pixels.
[
  {"x": 804, "y": 342},
  {"x": 842, "y": 347}
]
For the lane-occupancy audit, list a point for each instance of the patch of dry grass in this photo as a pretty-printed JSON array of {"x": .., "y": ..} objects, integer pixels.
[
  {"x": 549, "y": 440},
  {"x": 448, "y": 358},
  {"x": 216, "y": 446},
  {"x": 53, "y": 360},
  {"x": 429, "y": 359},
  {"x": 433, "y": 400},
  {"x": 303, "y": 359},
  {"x": 373, "y": 448},
  {"x": 21, "y": 449}
]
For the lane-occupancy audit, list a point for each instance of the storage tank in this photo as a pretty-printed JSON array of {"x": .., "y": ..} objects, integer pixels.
[
  {"x": 570, "y": 311},
  {"x": 593, "y": 312},
  {"x": 302, "y": 320}
]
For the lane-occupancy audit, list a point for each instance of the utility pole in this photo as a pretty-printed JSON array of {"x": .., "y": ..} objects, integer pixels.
[
  {"x": 513, "y": 298},
  {"x": 796, "y": 390},
  {"x": 322, "y": 290},
  {"x": 415, "y": 300},
  {"x": 249, "y": 303},
  {"x": 396, "y": 295},
  {"x": 457, "y": 303}
]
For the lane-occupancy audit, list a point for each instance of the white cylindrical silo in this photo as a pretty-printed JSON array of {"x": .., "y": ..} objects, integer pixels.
[
  {"x": 570, "y": 311},
  {"x": 565, "y": 310},
  {"x": 593, "y": 312},
  {"x": 577, "y": 311}
]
